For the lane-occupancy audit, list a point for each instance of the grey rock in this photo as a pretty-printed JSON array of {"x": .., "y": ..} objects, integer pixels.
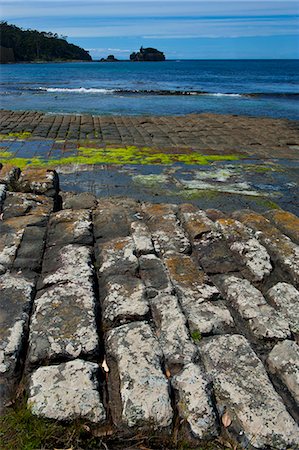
[
  {"x": 39, "y": 181},
  {"x": 283, "y": 361},
  {"x": 125, "y": 300},
  {"x": 67, "y": 392},
  {"x": 118, "y": 257},
  {"x": 67, "y": 312},
  {"x": 285, "y": 298},
  {"x": 70, "y": 227},
  {"x": 246, "y": 247},
  {"x": 281, "y": 249},
  {"x": 142, "y": 238},
  {"x": 167, "y": 234},
  {"x": 214, "y": 254},
  {"x": 189, "y": 281},
  {"x": 15, "y": 304},
  {"x": 154, "y": 275},
  {"x": 244, "y": 391},
  {"x": 207, "y": 317},
  {"x": 110, "y": 221},
  {"x": 21, "y": 204},
  {"x": 30, "y": 251},
  {"x": 172, "y": 331},
  {"x": 82, "y": 200},
  {"x": 134, "y": 358},
  {"x": 195, "y": 221},
  {"x": 193, "y": 394},
  {"x": 263, "y": 320},
  {"x": 71, "y": 263}
]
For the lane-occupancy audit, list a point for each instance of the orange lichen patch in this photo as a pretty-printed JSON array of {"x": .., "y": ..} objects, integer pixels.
[
  {"x": 195, "y": 221},
  {"x": 183, "y": 271},
  {"x": 287, "y": 222},
  {"x": 232, "y": 227},
  {"x": 156, "y": 210},
  {"x": 271, "y": 236}
]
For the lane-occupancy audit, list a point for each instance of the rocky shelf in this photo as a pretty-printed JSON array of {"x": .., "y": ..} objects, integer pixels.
[{"x": 160, "y": 319}]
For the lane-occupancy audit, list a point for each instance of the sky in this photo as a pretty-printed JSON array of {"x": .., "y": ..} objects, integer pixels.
[{"x": 221, "y": 29}]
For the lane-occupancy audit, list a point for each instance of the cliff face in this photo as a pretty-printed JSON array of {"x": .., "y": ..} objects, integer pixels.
[
  {"x": 6, "y": 55},
  {"x": 147, "y": 54},
  {"x": 32, "y": 45}
]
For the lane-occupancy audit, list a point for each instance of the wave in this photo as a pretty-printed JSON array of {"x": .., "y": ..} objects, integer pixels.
[
  {"x": 162, "y": 92},
  {"x": 78, "y": 90}
]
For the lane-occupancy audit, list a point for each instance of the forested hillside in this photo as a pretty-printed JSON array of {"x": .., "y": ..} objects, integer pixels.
[{"x": 33, "y": 45}]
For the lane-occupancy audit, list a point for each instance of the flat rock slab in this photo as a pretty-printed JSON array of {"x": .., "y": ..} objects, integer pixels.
[
  {"x": 154, "y": 275},
  {"x": 118, "y": 257},
  {"x": 246, "y": 248},
  {"x": 283, "y": 361},
  {"x": 15, "y": 304},
  {"x": 82, "y": 200},
  {"x": 172, "y": 331},
  {"x": 67, "y": 312},
  {"x": 167, "y": 234},
  {"x": 67, "y": 392},
  {"x": 125, "y": 300},
  {"x": 39, "y": 181},
  {"x": 243, "y": 389},
  {"x": 21, "y": 204},
  {"x": 70, "y": 227},
  {"x": 281, "y": 249},
  {"x": 286, "y": 222},
  {"x": 71, "y": 263},
  {"x": 193, "y": 395},
  {"x": 138, "y": 389},
  {"x": 285, "y": 298},
  {"x": 264, "y": 321}
]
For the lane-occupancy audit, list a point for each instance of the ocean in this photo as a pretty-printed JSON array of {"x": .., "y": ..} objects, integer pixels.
[{"x": 267, "y": 88}]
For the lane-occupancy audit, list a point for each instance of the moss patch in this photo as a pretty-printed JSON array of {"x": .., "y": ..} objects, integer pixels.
[{"x": 196, "y": 336}]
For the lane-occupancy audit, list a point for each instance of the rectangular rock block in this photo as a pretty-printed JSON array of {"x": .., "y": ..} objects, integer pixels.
[
  {"x": 142, "y": 238},
  {"x": 118, "y": 257},
  {"x": 21, "y": 204},
  {"x": 138, "y": 389},
  {"x": 68, "y": 391},
  {"x": 281, "y": 249},
  {"x": 193, "y": 398},
  {"x": 264, "y": 321},
  {"x": 243, "y": 390},
  {"x": 154, "y": 275},
  {"x": 189, "y": 281},
  {"x": 246, "y": 248},
  {"x": 195, "y": 221},
  {"x": 124, "y": 300},
  {"x": 172, "y": 331},
  {"x": 283, "y": 361},
  {"x": 16, "y": 296},
  {"x": 167, "y": 234},
  {"x": 70, "y": 227},
  {"x": 285, "y": 298},
  {"x": 286, "y": 222},
  {"x": 110, "y": 221},
  {"x": 38, "y": 181},
  {"x": 63, "y": 324}
]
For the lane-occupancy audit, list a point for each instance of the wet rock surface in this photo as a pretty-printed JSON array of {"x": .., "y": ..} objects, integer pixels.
[{"x": 144, "y": 318}]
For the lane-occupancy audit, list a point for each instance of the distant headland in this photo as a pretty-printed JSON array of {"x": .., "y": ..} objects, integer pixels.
[{"x": 18, "y": 45}]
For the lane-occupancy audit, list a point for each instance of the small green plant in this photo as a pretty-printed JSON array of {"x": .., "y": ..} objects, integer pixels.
[
  {"x": 196, "y": 336},
  {"x": 21, "y": 430}
]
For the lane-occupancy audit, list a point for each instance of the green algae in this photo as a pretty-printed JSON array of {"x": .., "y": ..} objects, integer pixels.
[
  {"x": 5, "y": 154},
  {"x": 20, "y": 135},
  {"x": 123, "y": 155},
  {"x": 151, "y": 180},
  {"x": 197, "y": 194}
]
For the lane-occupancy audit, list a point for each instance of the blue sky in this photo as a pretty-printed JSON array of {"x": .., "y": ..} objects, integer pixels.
[{"x": 219, "y": 29}]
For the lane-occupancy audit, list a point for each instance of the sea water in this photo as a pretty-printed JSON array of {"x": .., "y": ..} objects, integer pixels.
[{"x": 248, "y": 87}]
